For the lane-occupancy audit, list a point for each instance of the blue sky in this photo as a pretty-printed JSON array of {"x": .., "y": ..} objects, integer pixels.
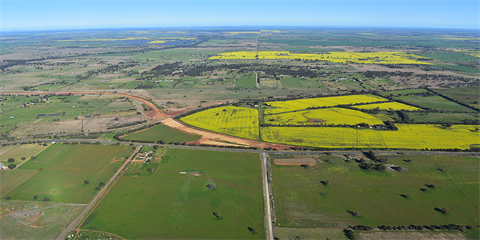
[{"x": 71, "y": 14}]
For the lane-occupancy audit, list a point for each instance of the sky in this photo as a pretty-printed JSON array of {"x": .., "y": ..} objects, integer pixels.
[{"x": 75, "y": 14}]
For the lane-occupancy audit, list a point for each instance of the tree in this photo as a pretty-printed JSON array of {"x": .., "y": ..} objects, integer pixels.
[
  {"x": 46, "y": 199},
  {"x": 252, "y": 230},
  {"x": 12, "y": 166},
  {"x": 86, "y": 182},
  {"x": 35, "y": 197},
  {"x": 23, "y": 158},
  {"x": 32, "y": 157},
  {"x": 8, "y": 198},
  {"x": 11, "y": 160},
  {"x": 97, "y": 188},
  {"x": 102, "y": 184}
]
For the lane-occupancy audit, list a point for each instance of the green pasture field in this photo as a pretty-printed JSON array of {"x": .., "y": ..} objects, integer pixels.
[
  {"x": 434, "y": 102},
  {"x": 446, "y": 117},
  {"x": 406, "y": 91},
  {"x": 18, "y": 151},
  {"x": 64, "y": 168},
  {"x": 248, "y": 81},
  {"x": 309, "y": 233},
  {"x": 51, "y": 224},
  {"x": 182, "y": 204},
  {"x": 467, "y": 95},
  {"x": 376, "y": 195},
  {"x": 293, "y": 82},
  {"x": 161, "y": 132},
  {"x": 9, "y": 180},
  {"x": 304, "y": 49},
  {"x": 449, "y": 56},
  {"x": 458, "y": 68}
]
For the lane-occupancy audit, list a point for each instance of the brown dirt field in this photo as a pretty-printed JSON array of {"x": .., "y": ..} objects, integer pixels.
[
  {"x": 50, "y": 127},
  {"x": 211, "y": 137},
  {"x": 295, "y": 161},
  {"x": 412, "y": 235}
]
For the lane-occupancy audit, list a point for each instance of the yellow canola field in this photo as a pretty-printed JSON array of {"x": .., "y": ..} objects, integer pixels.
[
  {"x": 158, "y": 41},
  {"x": 408, "y": 136},
  {"x": 388, "y": 106},
  {"x": 235, "y": 121},
  {"x": 300, "y": 104},
  {"x": 339, "y": 57},
  {"x": 326, "y": 116}
]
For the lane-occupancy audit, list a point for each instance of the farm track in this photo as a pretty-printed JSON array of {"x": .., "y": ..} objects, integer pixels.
[{"x": 94, "y": 200}]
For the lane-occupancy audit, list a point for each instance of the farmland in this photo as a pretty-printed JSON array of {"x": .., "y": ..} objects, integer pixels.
[
  {"x": 63, "y": 170},
  {"x": 388, "y": 106},
  {"x": 408, "y": 136},
  {"x": 287, "y": 106},
  {"x": 182, "y": 204},
  {"x": 161, "y": 132},
  {"x": 236, "y": 121},
  {"x": 336, "y": 57},
  {"x": 322, "y": 116},
  {"x": 434, "y": 102},
  {"x": 302, "y": 201}
]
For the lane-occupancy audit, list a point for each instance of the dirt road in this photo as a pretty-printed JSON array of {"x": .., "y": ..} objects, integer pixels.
[{"x": 266, "y": 198}]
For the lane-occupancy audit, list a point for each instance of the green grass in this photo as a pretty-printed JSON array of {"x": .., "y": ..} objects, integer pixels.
[
  {"x": 446, "y": 117},
  {"x": 182, "y": 204},
  {"x": 434, "y": 102},
  {"x": 65, "y": 168},
  {"x": 406, "y": 91},
  {"x": 467, "y": 95},
  {"x": 130, "y": 85},
  {"x": 9, "y": 180},
  {"x": 309, "y": 233},
  {"x": 162, "y": 132},
  {"x": 376, "y": 195},
  {"x": 248, "y": 81},
  {"x": 458, "y": 68}
]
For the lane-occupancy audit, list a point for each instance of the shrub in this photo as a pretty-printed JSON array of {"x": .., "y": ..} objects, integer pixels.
[
  {"x": 12, "y": 166},
  {"x": 11, "y": 160}
]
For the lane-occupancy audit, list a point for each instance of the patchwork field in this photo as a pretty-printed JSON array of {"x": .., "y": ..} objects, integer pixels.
[
  {"x": 161, "y": 132},
  {"x": 182, "y": 204},
  {"x": 337, "y": 57},
  {"x": 322, "y": 116},
  {"x": 408, "y": 136},
  {"x": 236, "y": 121},
  {"x": 286, "y": 106},
  {"x": 301, "y": 200},
  {"x": 63, "y": 170}
]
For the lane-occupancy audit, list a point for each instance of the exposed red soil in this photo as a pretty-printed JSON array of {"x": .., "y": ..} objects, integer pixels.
[{"x": 218, "y": 138}]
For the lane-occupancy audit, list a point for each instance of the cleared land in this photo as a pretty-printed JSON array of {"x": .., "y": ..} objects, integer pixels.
[
  {"x": 408, "y": 136},
  {"x": 35, "y": 219},
  {"x": 303, "y": 201},
  {"x": 236, "y": 121},
  {"x": 63, "y": 170},
  {"x": 161, "y": 132},
  {"x": 182, "y": 204}
]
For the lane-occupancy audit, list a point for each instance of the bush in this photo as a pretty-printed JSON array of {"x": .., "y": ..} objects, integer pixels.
[
  {"x": 11, "y": 160},
  {"x": 46, "y": 199},
  {"x": 33, "y": 157},
  {"x": 12, "y": 166},
  {"x": 8, "y": 198},
  {"x": 35, "y": 197},
  {"x": 23, "y": 158},
  {"x": 102, "y": 184},
  {"x": 86, "y": 182},
  {"x": 97, "y": 188},
  {"x": 349, "y": 233}
]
